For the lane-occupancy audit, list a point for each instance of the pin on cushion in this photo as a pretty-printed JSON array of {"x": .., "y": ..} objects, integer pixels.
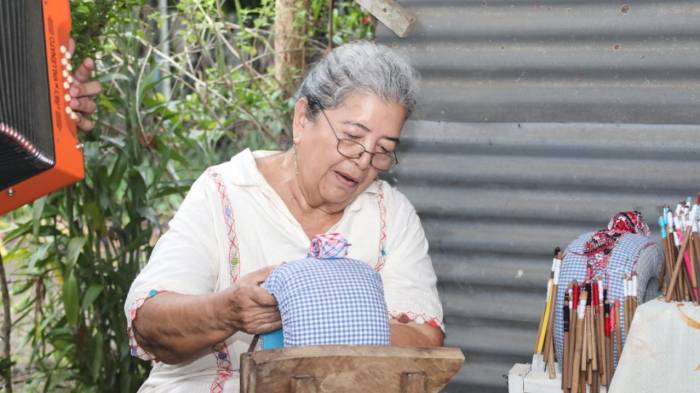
[{"x": 329, "y": 299}]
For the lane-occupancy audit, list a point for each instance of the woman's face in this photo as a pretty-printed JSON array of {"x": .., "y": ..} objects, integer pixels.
[{"x": 327, "y": 177}]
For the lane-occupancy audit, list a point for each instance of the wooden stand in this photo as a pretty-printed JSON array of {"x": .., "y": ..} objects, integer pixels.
[{"x": 349, "y": 369}]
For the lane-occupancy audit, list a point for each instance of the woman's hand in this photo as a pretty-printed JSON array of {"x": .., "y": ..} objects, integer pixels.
[
  {"x": 177, "y": 328},
  {"x": 414, "y": 334},
  {"x": 83, "y": 92},
  {"x": 252, "y": 309}
]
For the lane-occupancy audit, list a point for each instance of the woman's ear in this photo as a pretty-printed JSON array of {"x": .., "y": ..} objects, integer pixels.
[{"x": 300, "y": 122}]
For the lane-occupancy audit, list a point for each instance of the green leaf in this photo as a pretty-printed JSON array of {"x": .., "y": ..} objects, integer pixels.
[
  {"x": 17, "y": 254},
  {"x": 136, "y": 184},
  {"x": 118, "y": 142},
  {"x": 90, "y": 295},
  {"x": 37, "y": 212},
  {"x": 21, "y": 230},
  {"x": 95, "y": 219},
  {"x": 97, "y": 355},
  {"x": 38, "y": 255},
  {"x": 113, "y": 77},
  {"x": 75, "y": 246},
  {"x": 70, "y": 299},
  {"x": 170, "y": 190}
]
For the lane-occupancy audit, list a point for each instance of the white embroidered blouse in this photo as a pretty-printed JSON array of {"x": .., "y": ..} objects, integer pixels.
[{"x": 232, "y": 223}]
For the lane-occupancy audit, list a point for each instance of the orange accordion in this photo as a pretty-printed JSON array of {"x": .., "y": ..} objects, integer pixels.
[{"x": 39, "y": 147}]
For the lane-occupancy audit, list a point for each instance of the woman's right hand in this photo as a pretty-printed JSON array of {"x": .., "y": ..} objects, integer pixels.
[
  {"x": 252, "y": 309},
  {"x": 176, "y": 328}
]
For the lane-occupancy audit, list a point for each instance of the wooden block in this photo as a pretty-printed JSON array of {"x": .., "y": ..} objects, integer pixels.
[
  {"x": 349, "y": 369},
  {"x": 414, "y": 383},
  {"x": 247, "y": 373},
  {"x": 395, "y": 17},
  {"x": 303, "y": 384}
]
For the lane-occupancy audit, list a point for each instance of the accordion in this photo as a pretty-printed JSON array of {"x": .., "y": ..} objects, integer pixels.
[{"x": 39, "y": 147}]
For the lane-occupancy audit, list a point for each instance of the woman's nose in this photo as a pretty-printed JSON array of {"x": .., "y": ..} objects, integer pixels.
[{"x": 364, "y": 160}]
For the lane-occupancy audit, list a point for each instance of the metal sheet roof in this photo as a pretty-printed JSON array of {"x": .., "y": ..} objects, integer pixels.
[{"x": 539, "y": 120}]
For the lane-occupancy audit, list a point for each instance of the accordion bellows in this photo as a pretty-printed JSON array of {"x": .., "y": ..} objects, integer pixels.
[
  {"x": 39, "y": 150},
  {"x": 327, "y": 299}
]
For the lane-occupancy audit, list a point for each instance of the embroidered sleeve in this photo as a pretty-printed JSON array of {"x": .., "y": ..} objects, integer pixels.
[
  {"x": 185, "y": 259},
  {"x": 410, "y": 283},
  {"x": 410, "y": 316},
  {"x": 136, "y": 350}
]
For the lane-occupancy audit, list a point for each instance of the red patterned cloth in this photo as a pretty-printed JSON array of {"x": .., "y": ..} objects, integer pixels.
[
  {"x": 599, "y": 248},
  {"x": 329, "y": 246}
]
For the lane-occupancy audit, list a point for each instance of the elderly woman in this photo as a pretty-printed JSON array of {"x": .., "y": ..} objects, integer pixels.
[{"x": 195, "y": 306}]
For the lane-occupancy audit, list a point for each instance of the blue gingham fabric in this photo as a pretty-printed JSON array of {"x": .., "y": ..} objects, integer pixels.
[
  {"x": 330, "y": 301},
  {"x": 632, "y": 252}
]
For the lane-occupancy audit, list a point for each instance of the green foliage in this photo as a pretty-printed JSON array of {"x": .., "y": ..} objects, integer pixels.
[{"x": 163, "y": 118}]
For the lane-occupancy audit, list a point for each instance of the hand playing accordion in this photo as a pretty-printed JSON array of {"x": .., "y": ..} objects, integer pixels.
[{"x": 83, "y": 91}]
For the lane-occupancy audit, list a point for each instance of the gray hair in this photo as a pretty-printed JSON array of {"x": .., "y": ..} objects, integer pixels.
[{"x": 359, "y": 66}]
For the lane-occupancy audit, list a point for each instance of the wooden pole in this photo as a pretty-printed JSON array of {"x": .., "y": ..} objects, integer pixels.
[
  {"x": 578, "y": 346},
  {"x": 618, "y": 331},
  {"x": 600, "y": 340},
  {"x": 550, "y": 334},
  {"x": 678, "y": 266},
  {"x": 542, "y": 330},
  {"x": 592, "y": 338},
  {"x": 695, "y": 259},
  {"x": 247, "y": 373},
  {"x": 572, "y": 332},
  {"x": 567, "y": 343},
  {"x": 666, "y": 270},
  {"x": 608, "y": 343},
  {"x": 331, "y": 5},
  {"x": 673, "y": 250},
  {"x": 395, "y": 17}
]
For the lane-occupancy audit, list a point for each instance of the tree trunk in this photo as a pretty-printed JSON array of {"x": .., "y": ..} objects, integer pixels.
[{"x": 289, "y": 43}]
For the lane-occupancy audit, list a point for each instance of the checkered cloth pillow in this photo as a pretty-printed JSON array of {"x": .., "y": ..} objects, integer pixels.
[{"x": 327, "y": 299}]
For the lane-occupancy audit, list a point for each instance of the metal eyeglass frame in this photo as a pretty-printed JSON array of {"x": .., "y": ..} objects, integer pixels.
[{"x": 364, "y": 150}]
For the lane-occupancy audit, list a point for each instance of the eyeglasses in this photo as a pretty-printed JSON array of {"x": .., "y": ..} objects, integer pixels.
[{"x": 352, "y": 149}]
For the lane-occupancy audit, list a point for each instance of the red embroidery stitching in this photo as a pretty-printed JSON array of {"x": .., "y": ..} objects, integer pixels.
[
  {"x": 230, "y": 222},
  {"x": 382, "y": 228},
  {"x": 134, "y": 347},
  {"x": 410, "y": 316},
  {"x": 224, "y": 366}
]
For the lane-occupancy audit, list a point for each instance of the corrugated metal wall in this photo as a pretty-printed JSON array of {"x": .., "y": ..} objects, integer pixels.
[{"x": 539, "y": 119}]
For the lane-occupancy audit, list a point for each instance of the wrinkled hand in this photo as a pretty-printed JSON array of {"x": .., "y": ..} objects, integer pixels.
[
  {"x": 83, "y": 92},
  {"x": 253, "y": 310}
]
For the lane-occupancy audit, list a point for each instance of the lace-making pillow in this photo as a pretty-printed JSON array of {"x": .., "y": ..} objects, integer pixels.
[
  {"x": 328, "y": 299},
  {"x": 623, "y": 249}
]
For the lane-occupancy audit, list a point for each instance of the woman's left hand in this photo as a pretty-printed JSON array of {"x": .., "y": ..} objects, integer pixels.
[
  {"x": 84, "y": 91},
  {"x": 413, "y": 334}
]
